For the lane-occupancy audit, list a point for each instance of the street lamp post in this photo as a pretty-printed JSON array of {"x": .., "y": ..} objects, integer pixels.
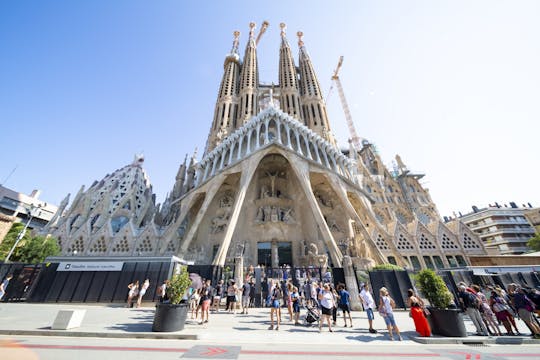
[{"x": 22, "y": 232}]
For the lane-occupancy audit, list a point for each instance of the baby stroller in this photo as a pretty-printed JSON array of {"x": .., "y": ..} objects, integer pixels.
[{"x": 312, "y": 315}]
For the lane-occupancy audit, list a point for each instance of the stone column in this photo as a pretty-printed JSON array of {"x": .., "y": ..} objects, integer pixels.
[
  {"x": 275, "y": 255},
  {"x": 239, "y": 271},
  {"x": 350, "y": 282}
]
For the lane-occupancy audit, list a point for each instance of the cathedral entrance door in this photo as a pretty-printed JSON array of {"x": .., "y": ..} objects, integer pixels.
[
  {"x": 285, "y": 253},
  {"x": 264, "y": 253}
]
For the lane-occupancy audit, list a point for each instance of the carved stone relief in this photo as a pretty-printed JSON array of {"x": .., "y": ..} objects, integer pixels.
[{"x": 219, "y": 223}]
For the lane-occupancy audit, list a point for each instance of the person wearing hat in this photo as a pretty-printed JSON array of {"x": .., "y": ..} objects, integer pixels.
[{"x": 386, "y": 309}]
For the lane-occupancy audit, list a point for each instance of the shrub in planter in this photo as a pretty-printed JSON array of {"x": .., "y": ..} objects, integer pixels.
[
  {"x": 171, "y": 315},
  {"x": 443, "y": 321}
]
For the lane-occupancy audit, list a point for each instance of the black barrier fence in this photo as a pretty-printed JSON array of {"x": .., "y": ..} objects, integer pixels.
[
  {"x": 397, "y": 283},
  {"x": 23, "y": 280},
  {"x": 98, "y": 286}
]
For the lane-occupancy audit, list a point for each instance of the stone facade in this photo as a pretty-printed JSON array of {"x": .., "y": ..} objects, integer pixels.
[{"x": 273, "y": 188}]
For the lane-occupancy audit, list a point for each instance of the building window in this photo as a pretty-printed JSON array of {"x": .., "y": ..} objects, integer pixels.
[
  {"x": 452, "y": 261},
  {"x": 438, "y": 262},
  {"x": 429, "y": 263}
]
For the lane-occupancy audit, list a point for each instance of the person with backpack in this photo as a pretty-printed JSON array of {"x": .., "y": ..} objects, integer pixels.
[
  {"x": 525, "y": 309},
  {"x": 470, "y": 305},
  {"x": 246, "y": 288}
]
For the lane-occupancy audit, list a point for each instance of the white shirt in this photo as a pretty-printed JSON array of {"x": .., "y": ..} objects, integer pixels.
[
  {"x": 367, "y": 299},
  {"x": 327, "y": 299}
]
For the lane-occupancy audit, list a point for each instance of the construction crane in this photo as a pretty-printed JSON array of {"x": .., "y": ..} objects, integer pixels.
[{"x": 355, "y": 139}]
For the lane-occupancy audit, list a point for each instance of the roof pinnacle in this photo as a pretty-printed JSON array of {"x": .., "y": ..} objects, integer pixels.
[
  {"x": 252, "y": 30},
  {"x": 300, "y": 41},
  {"x": 235, "y": 41},
  {"x": 262, "y": 31},
  {"x": 283, "y": 27}
]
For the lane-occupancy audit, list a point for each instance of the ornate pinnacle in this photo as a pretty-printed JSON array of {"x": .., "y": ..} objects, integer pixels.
[
  {"x": 283, "y": 27},
  {"x": 235, "y": 41},
  {"x": 251, "y": 30},
  {"x": 300, "y": 35},
  {"x": 262, "y": 31}
]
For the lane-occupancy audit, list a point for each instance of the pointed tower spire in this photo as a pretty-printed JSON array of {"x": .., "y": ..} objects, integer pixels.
[
  {"x": 191, "y": 171},
  {"x": 288, "y": 79},
  {"x": 313, "y": 107},
  {"x": 227, "y": 102},
  {"x": 178, "y": 189},
  {"x": 249, "y": 81}
]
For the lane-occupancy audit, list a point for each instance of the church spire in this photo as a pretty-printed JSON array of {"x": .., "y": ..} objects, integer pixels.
[
  {"x": 313, "y": 107},
  {"x": 288, "y": 78},
  {"x": 227, "y": 102},
  {"x": 249, "y": 81}
]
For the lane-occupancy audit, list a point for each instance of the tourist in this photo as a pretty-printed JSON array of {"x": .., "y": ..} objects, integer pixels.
[
  {"x": 204, "y": 301},
  {"x": 251, "y": 293},
  {"x": 162, "y": 291},
  {"x": 470, "y": 304},
  {"x": 503, "y": 311},
  {"x": 132, "y": 293},
  {"x": 218, "y": 294},
  {"x": 295, "y": 299},
  {"x": 334, "y": 309},
  {"x": 276, "y": 295},
  {"x": 369, "y": 305},
  {"x": 246, "y": 288},
  {"x": 232, "y": 296},
  {"x": 307, "y": 293},
  {"x": 486, "y": 312},
  {"x": 4, "y": 285},
  {"x": 344, "y": 303},
  {"x": 386, "y": 309},
  {"x": 525, "y": 308},
  {"x": 417, "y": 312},
  {"x": 144, "y": 287},
  {"x": 194, "y": 298},
  {"x": 288, "y": 299},
  {"x": 327, "y": 302}
]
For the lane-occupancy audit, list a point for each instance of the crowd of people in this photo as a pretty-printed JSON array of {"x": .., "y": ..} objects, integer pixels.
[
  {"x": 487, "y": 308},
  {"x": 493, "y": 306}
]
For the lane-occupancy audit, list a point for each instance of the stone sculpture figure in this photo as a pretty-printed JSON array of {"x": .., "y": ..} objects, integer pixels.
[{"x": 219, "y": 223}]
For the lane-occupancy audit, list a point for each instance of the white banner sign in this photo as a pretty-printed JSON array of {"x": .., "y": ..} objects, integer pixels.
[{"x": 91, "y": 266}]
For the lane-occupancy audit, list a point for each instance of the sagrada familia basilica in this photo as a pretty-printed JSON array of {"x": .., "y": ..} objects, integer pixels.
[{"x": 272, "y": 187}]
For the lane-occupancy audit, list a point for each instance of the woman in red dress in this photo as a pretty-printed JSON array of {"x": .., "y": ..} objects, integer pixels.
[{"x": 417, "y": 313}]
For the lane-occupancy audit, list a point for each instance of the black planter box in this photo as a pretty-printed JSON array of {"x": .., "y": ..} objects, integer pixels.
[
  {"x": 170, "y": 317},
  {"x": 447, "y": 322}
]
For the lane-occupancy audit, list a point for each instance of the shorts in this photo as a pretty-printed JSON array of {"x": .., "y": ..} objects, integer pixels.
[
  {"x": 296, "y": 307},
  {"x": 276, "y": 304},
  {"x": 231, "y": 298},
  {"x": 345, "y": 308},
  {"x": 389, "y": 320},
  {"x": 205, "y": 305},
  {"x": 369, "y": 313},
  {"x": 142, "y": 292},
  {"x": 326, "y": 311},
  {"x": 245, "y": 300},
  {"x": 525, "y": 315}
]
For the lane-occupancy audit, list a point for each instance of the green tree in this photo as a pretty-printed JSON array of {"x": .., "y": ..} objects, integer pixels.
[
  {"x": 433, "y": 288},
  {"x": 534, "y": 242},
  {"x": 31, "y": 249}
]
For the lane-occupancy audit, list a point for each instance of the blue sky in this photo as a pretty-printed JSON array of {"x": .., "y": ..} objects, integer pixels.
[{"x": 451, "y": 86}]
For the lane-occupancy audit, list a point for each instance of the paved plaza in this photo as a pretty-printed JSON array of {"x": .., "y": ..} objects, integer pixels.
[{"x": 116, "y": 321}]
